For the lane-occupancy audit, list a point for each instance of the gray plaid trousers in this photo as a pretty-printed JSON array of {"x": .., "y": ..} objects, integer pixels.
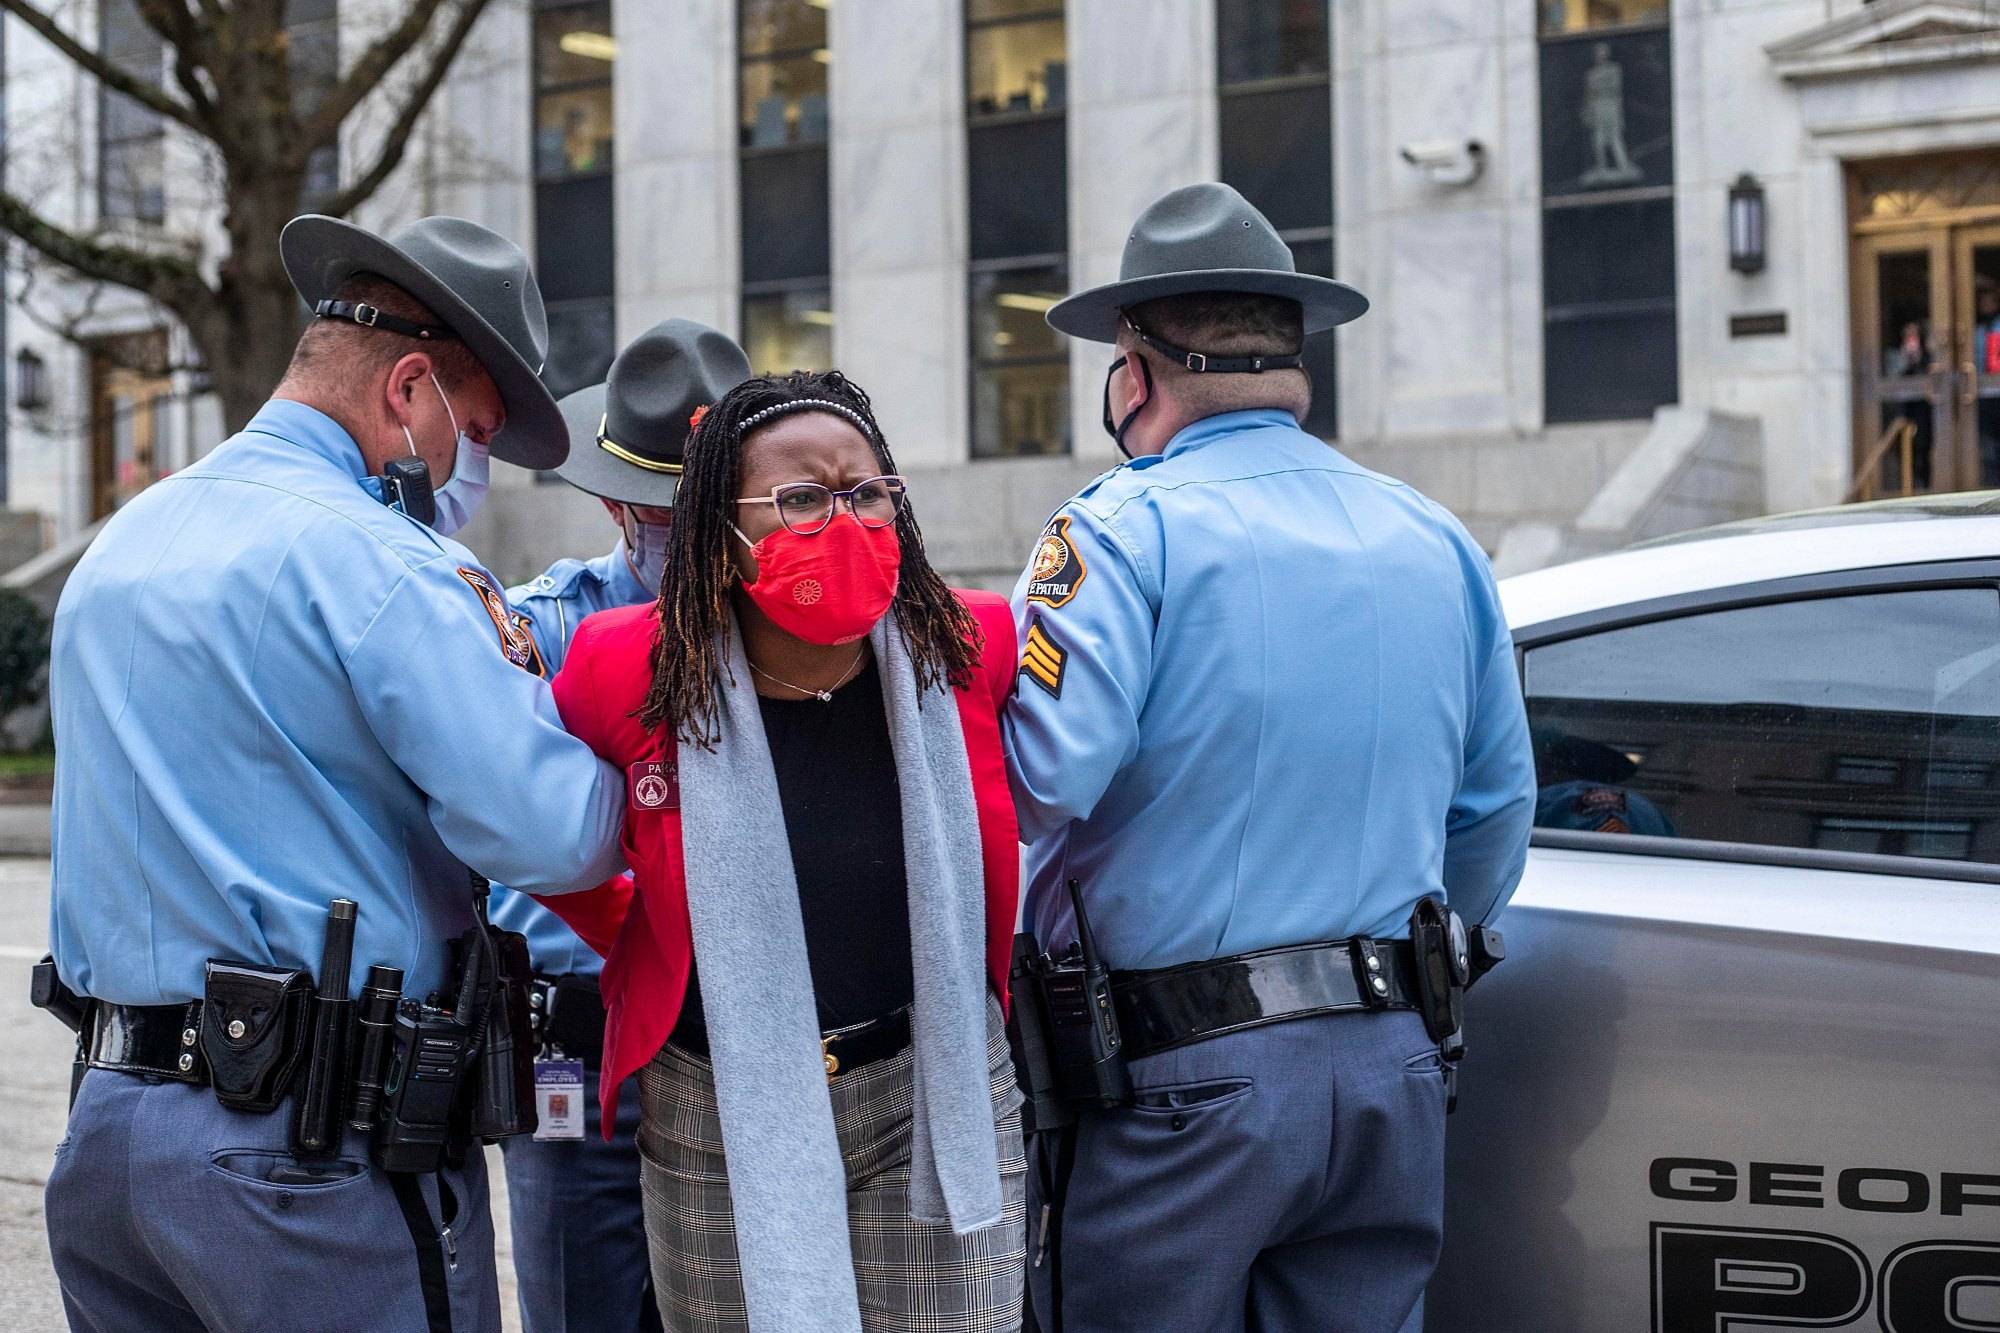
[{"x": 913, "y": 1277}]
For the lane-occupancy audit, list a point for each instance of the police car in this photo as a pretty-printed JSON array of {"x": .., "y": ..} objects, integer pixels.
[{"x": 1741, "y": 1069}]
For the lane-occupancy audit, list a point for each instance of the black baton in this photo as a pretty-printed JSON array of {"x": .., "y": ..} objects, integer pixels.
[{"x": 316, "y": 1129}]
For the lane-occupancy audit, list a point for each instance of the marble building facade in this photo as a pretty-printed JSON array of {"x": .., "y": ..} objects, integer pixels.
[{"x": 1501, "y": 312}]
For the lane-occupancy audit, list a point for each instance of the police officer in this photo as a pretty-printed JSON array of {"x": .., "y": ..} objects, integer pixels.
[
  {"x": 272, "y": 689},
  {"x": 1267, "y": 701},
  {"x": 580, "y": 1257}
]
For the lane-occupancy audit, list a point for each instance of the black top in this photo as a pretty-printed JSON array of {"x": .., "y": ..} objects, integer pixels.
[{"x": 844, "y": 819}]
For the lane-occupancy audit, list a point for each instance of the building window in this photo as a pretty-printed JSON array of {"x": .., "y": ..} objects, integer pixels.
[
  {"x": 782, "y": 179},
  {"x": 1609, "y": 346},
  {"x": 1020, "y": 366},
  {"x": 131, "y": 139},
  {"x": 312, "y": 39},
  {"x": 1017, "y": 188},
  {"x": 1275, "y": 117},
  {"x": 789, "y": 328},
  {"x": 575, "y": 245}
]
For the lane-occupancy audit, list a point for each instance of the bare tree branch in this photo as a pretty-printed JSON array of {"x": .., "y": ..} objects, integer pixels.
[
  {"x": 367, "y": 73},
  {"x": 146, "y": 94},
  {"x": 172, "y": 281},
  {"x": 194, "y": 55},
  {"x": 396, "y": 141}
]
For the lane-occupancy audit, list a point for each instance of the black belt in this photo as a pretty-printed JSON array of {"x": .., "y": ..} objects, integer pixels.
[
  {"x": 844, "y": 1049},
  {"x": 569, "y": 1012},
  {"x": 1173, "y": 1006},
  {"x": 156, "y": 1040}
]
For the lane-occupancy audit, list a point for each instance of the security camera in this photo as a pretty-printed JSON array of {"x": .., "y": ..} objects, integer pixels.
[{"x": 1446, "y": 161}]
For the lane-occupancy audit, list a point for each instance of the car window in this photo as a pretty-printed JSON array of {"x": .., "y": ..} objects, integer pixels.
[{"x": 1864, "y": 723}]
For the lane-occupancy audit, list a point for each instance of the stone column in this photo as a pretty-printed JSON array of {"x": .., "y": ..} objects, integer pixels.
[
  {"x": 897, "y": 176},
  {"x": 1142, "y": 121},
  {"x": 676, "y": 163}
]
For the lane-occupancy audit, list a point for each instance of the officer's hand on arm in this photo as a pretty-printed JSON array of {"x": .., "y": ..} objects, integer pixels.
[
  {"x": 510, "y": 791},
  {"x": 1085, "y": 619},
  {"x": 1486, "y": 831}
]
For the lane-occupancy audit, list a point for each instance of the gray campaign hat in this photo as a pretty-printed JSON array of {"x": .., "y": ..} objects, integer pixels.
[
  {"x": 478, "y": 285},
  {"x": 627, "y": 435},
  {"x": 1204, "y": 238}
]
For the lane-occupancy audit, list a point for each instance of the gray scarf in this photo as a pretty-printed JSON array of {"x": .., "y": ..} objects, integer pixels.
[{"x": 786, "y": 1180}]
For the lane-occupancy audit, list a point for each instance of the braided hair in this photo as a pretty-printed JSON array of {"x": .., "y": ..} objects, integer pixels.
[{"x": 689, "y": 654}]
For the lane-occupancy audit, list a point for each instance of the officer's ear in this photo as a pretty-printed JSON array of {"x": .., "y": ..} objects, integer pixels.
[{"x": 409, "y": 373}]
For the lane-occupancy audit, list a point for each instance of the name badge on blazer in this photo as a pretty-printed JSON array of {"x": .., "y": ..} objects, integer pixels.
[{"x": 651, "y": 786}]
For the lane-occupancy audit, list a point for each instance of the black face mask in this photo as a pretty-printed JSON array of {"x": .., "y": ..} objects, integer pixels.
[{"x": 1116, "y": 429}]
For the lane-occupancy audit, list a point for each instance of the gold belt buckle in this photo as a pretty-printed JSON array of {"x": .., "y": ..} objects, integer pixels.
[{"x": 827, "y": 1057}]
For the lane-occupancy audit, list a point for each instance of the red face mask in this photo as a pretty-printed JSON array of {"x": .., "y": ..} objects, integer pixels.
[{"x": 830, "y": 587}]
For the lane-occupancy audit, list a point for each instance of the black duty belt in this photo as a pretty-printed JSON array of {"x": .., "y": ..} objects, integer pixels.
[
  {"x": 843, "y": 1049},
  {"x": 569, "y": 1012},
  {"x": 1173, "y": 1006},
  {"x": 156, "y": 1040}
]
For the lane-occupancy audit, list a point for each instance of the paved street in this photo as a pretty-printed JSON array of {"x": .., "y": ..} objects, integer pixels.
[{"x": 35, "y": 1055}]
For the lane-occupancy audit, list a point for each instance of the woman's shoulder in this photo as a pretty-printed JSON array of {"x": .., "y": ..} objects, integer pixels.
[
  {"x": 995, "y": 618},
  {"x": 616, "y": 648}
]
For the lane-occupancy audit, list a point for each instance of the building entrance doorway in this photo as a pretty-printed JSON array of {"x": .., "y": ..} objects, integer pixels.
[
  {"x": 1926, "y": 320},
  {"x": 129, "y": 393}
]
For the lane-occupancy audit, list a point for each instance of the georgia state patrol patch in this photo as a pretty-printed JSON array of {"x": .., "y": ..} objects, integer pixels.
[
  {"x": 517, "y": 643},
  {"x": 1057, "y": 570},
  {"x": 1043, "y": 659}
]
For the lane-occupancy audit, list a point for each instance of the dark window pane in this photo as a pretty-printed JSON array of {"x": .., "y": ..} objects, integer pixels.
[
  {"x": 1321, "y": 363},
  {"x": 122, "y": 32},
  {"x": 573, "y": 132},
  {"x": 298, "y": 12},
  {"x": 785, "y": 216},
  {"x": 790, "y": 330},
  {"x": 1560, "y": 16},
  {"x": 784, "y": 102},
  {"x": 1277, "y": 148},
  {"x": 1020, "y": 367},
  {"x": 978, "y": 10},
  {"x": 1608, "y": 252},
  {"x": 1611, "y": 367},
  {"x": 1270, "y": 39},
  {"x": 132, "y": 178},
  {"x": 770, "y": 26},
  {"x": 124, "y": 120},
  {"x": 1607, "y": 113},
  {"x": 573, "y": 239},
  {"x": 1859, "y": 723},
  {"x": 322, "y": 177},
  {"x": 315, "y": 55},
  {"x": 1019, "y": 189},
  {"x": 1015, "y": 68},
  {"x": 573, "y": 45},
  {"x": 580, "y": 346}
]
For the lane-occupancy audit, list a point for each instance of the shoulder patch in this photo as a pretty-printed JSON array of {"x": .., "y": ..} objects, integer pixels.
[
  {"x": 1056, "y": 571},
  {"x": 1043, "y": 659},
  {"x": 517, "y": 643}
]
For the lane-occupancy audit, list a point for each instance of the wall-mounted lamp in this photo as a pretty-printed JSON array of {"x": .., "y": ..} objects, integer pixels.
[
  {"x": 1746, "y": 225},
  {"x": 31, "y": 381}
]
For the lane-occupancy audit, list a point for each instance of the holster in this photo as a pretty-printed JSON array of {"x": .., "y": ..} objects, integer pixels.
[
  {"x": 1437, "y": 938},
  {"x": 254, "y": 1031}
]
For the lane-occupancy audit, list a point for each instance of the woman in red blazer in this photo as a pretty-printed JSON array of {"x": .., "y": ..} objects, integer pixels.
[{"x": 808, "y": 968}]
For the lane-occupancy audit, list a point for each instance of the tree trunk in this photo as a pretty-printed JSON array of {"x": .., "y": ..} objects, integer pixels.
[{"x": 246, "y": 338}]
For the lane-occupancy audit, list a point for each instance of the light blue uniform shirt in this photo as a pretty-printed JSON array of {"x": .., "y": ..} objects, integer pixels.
[
  {"x": 270, "y": 691},
  {"x": 555, "y": 605},
  {"x": 1267, "y": 697}
]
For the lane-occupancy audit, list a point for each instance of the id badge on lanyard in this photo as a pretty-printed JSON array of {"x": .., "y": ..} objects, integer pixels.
[{"x": 558, "y": 1099}]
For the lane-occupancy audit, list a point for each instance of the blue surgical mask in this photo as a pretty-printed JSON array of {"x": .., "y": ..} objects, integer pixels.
[
  {"x": 646, "y": 549},
  {"x": 459, "y": 499}
]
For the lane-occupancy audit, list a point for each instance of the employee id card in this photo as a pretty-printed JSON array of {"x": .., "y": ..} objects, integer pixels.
[{"x": 559, "y": 1099}]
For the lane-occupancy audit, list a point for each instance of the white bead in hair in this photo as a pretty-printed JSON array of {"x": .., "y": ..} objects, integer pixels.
[{"x": 757, "y": 419}]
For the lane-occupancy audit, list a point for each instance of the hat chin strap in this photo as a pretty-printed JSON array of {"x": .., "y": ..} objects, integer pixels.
[{"x": 1201, "y": 363}]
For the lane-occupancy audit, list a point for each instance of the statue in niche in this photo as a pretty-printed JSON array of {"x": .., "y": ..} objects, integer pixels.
[{"x": 1604, "y": 117}]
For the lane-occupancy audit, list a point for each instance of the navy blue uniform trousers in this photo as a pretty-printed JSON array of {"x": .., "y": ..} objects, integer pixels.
[
  {"x": 163, "y": 1216},
  {"x": 1284, "y": 1179},
  {"x": 580, "y": 1259}
]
